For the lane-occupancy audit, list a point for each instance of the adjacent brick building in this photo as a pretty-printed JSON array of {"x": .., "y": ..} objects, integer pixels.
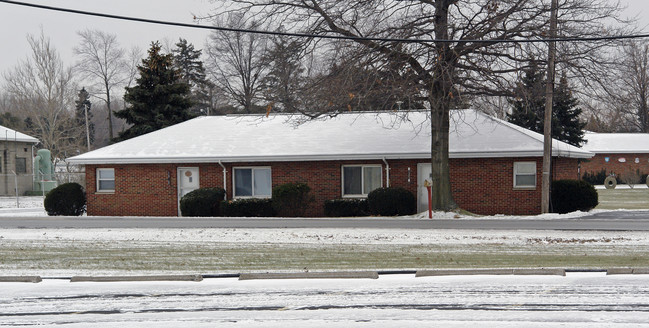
[
  {"x": 495, "y": 166},
  {"x": 617, "y": 154}
]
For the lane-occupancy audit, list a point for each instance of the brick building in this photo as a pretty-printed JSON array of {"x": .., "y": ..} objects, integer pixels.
[
  {"x": 495, "y": 166},
  {"x": 617, "y": 153}
]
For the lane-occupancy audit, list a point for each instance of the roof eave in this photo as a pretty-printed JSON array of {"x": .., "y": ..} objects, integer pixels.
[{"x": 316, "y": 157}]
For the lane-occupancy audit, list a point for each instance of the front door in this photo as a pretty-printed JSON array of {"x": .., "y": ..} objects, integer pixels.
[
  {"x": 424, "y": 172},
  {"x": 187, "y": 181}
]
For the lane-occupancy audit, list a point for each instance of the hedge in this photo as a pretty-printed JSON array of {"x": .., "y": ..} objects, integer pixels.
[
  {"x": 202, "y": 202},
  {"x": 68, "y": 199},
  {"x": 248, "y": 207},
  {"x": 572, "y": 195},
  {"x": 391, "y": 201},
  {"x": 346, "y": 207}
]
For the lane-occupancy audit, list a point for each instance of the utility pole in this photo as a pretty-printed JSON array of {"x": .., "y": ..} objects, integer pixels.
[{"x": 547, "y": 120}]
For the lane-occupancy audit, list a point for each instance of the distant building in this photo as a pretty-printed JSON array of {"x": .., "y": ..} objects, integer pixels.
[
  {"x": 617, "y": 153},
  {"x": 16, "y": 164},
  {"x": 495, "y": 166}
]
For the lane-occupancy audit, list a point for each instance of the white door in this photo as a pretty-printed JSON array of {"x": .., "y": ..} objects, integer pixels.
[
  {"x": 424, "y": 172},
  {"x": 187, "y": 181}
]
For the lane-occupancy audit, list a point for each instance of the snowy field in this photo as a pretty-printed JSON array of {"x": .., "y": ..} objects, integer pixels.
[
  {"x": 576, "y": 300},
  {"x": 68, "y": 252}
]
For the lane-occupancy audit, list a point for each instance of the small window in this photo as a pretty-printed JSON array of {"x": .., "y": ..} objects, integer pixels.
[
  {"x": 106, "y": 180},
  {"x": 252, "y": 182},
  {"x": 358, "y": 181},
  {"x": 21, "y": 165},
  {"x": 525, "y": 175}
]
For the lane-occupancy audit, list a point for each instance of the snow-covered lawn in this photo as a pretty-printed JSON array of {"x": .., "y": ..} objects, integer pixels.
[
  {"x": 67, "y": 252},
  {"x": 576, "y": 300}
]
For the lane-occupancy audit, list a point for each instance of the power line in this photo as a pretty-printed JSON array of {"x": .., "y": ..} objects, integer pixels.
[{"x": 320, "y": 36}]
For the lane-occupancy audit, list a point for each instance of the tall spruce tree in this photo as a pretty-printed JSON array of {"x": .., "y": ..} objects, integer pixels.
[
  {"x": 83, "y": 105},
  {"x": 159, "y": 98},
  {"x": 528, "y": 107},
  {"x": 188, "y": 62},
  {"x": 565, "y": 114}
]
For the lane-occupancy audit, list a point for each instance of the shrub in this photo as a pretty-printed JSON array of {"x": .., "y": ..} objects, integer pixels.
[
  {"x": 202, "y": 202},
  {"x": 595, "y": 178},
  {"x": 291, "y": 199},
  {"x": 391, "y": 201},
  {"x": 573, "y": 195},
  {"x": 346, "y": 207},
  {"x": 249, "y": 207},
  {"x": 67, "y": 199}
]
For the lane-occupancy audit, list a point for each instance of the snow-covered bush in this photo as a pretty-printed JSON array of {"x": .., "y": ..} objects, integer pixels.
[
  {"x": 202, "y": 202},
  {"x": 249, "y": 207},
  {"x": 291, "y": 199},
  {"x": 346, "y": 207},
  {"x": 391, "y": 201},
  {"x": 67, "y": 199},
  {"x": 573, "y": 195}
]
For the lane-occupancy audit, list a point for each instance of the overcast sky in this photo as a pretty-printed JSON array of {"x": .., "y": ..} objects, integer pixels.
[{"x": 17, "y": 21}]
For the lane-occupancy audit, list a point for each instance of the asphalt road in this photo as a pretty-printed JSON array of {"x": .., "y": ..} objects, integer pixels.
[
  {"x": 577, "y": 300},
  {"x": 609, "y": 221}
]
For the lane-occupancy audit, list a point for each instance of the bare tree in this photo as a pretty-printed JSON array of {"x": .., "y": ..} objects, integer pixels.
[
  {"x": 42, "y": 87},
  {"x": 627, "y": 89},
  {"x": 236, "y": 62},
  {"x": 456, "y": 47},
  {"x": 102, "y": 61}
]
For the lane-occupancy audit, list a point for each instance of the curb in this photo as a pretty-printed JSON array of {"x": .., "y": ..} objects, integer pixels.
[
  {"x": 311, "y": 275},
  {"x": 615, "y": 271},
  {"x": 490, "y": 272},
  {"x": 196, "y": 278},
  {"x": 32, "y": 279}
]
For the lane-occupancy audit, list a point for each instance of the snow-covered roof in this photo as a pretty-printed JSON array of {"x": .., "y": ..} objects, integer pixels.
[
  {"x": 7, "y": 134},
  {"x": 620, "y": 143},
  {"x": 349, "y": 136}
]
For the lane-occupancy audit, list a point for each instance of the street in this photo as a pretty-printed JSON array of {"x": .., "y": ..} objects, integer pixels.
[{"x": 576, "y": 300}]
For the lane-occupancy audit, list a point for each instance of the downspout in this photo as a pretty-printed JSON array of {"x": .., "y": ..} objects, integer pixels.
[
  {"x": 387, "y": 173},
  {"x": 225, "y": 185}
]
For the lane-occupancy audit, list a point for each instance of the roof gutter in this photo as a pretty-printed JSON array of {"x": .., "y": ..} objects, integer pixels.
[
  {"x": 225, "y": 185},
  {"x": 387, "y": 172}
]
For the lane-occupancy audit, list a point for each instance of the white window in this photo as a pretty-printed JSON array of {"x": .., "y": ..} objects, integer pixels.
[
  {"x": 524, "y": 174},
  {"x": 360, "y": 180},
  {"x": 252, "y": 182},
  {"x": 106, "y": 180}
]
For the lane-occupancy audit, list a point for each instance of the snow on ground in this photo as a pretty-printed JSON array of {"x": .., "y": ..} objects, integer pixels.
[
  {"x": 33, "y": 206},
  {"x": 576, "y": 300}
]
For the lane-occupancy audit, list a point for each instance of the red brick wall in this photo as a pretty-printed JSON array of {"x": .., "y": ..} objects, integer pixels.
[
  {"x": 598, "y": 162},
  {"x": 483, "y": 186}
]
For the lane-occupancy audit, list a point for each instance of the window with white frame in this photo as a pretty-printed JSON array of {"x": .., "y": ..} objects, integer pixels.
[
  {"x": 106, "y": 180},
  {"x": 360, "y": 180},
  {"x": 524, "y": 174},
  {"x": 252, "y": 182}
]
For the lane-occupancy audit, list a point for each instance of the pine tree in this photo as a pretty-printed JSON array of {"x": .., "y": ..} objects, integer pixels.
[
  {"x": 159, "y": 98},
  {"x": 565, "y": 114},
  {"x": 82, "y": 104},
  {"x": 190, "y": 68},
  {"x": 284, "y": 78},
  {"x": 529, "y": 107}
]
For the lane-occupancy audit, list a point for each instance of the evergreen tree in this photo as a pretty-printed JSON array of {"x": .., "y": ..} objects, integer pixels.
[
  {"x": 190, "y": 68},
  {"x": 565, "y": 114},
  {"x": 283, "y": 82},
  {"x": 82, "y": 104},
  {"x": 528, "y": 107},
  {"x": 159, "y": 98}
]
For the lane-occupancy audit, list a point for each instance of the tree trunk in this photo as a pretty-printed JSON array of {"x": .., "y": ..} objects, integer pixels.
[{"x": 441, "y": 91}]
